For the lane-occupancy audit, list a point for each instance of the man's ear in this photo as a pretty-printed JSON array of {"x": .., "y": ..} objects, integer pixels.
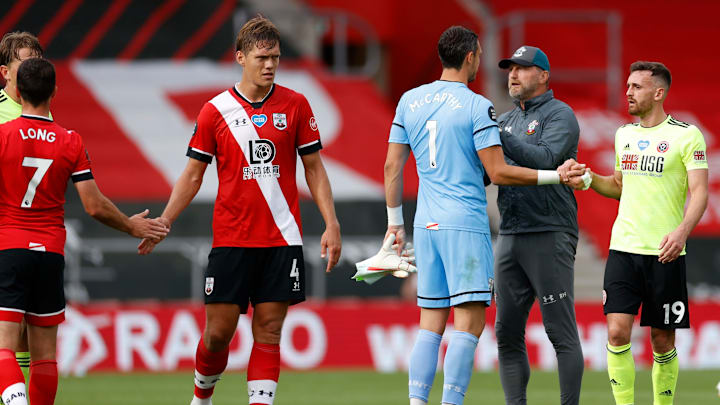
[
  {"x": 660, "y": 93},
  {"x": 4, "y": 71},
  {"x": 240, "y": 58}
]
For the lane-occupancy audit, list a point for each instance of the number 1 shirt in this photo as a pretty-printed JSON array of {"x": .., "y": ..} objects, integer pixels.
[{"x": 445, "y": 123}]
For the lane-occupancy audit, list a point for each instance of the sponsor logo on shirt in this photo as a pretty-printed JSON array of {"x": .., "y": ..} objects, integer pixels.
[
  {"x": 259, "y": 119},
  {"x": 699, "y": 155},
  {"x": 279, "y": 121},
  {"x": 663, "y": 147},
  {"x": 313, "y": 124},
  {"x": 642, "y": 144},
  {"x": 548, "y": 299},
  {"x": 629, "y": 161},
  {"x": 531, "y": 127},
  {"x": 262, "y": 153},
  {"x": 492, "y": 114},
  {"x": 627, "y": 146},
  {"x": 240, "y": 122},
  {"x": 642, "y": 163}
]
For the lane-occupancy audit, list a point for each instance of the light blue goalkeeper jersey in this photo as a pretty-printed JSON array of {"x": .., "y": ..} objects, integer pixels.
[{"x": 445, "y": 123}]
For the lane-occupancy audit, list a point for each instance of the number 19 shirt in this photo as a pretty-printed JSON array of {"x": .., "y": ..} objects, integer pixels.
[{"x": 654, "y": 163}]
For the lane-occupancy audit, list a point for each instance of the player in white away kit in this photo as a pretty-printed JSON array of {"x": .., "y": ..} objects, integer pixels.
[
  {"x": 255, "y": 130},
  {"x": 454, "y": 137}
]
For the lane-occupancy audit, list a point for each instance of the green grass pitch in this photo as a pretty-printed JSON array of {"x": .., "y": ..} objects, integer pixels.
[{"x": 361, "y": 387}]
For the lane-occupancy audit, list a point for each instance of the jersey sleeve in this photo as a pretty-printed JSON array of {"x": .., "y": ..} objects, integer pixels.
[
  {"x": 81, "y": 171},
  {"x": 694, "y": 153},
  {"x": 203, "y": 143},
  {"x": 483, "y": 115},
  {"x": 397, "y": 130},
  {"x": 307, "y": 139}
]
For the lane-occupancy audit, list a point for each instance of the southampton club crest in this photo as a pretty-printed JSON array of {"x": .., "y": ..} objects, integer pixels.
[
  {"x": 280, "y": 121},
  {"x": 531, "y": 127},
  {"x": 209, "y": 285}
]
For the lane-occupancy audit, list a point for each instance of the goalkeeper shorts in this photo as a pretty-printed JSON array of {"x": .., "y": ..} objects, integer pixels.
[{"x": 454, "y": 267}]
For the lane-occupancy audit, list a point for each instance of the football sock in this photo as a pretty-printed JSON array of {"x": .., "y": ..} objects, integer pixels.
[
  {"x": 664, "y": 377},
  {"x": 43, "y": 382},
  {"x": 423, "y": 364},
  {"x": 263, "y": 373},
  {"x": 208, "y": 368},
  {"x": 458, "y": 367},
  {"x": 417, "y": 401},
  {"x": 23, "y": 359},
  {"x": 12, "y": 383},
  {"x": 621, "y": 370}
]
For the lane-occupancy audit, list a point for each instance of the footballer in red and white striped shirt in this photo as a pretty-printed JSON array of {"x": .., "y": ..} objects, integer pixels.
[{"x": 255, "y": 131}]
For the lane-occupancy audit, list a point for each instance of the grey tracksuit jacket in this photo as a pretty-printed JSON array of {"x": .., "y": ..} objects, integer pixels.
[{"x": 542, "y": 136}]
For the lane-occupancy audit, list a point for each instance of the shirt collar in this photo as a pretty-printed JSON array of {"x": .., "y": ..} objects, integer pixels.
[{"x": 536, "y": 101}]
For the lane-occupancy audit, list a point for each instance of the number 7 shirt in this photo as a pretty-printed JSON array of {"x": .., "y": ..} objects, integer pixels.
[
  {"x": 37, "y": 158},
  {"x": 256, "y": 146}
]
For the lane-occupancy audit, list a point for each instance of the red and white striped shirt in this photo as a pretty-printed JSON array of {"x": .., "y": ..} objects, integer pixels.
[{"x": 256, "y": 147}]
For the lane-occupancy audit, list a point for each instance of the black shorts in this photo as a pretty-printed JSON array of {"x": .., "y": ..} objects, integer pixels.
[
  {"x": 632, "y": 279},
  {"x": 269, "y": 274},
  {"x": 31, "y": 286}
]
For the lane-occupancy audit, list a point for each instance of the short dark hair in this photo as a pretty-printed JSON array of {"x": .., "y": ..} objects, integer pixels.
[
  {"x": 656, "y": 68},
  {"x": 13, "y": 42},
  {"x": 454, "y": 45},
  {"x": 36, "y": 81},
  {"x": 258, "y": 31}
]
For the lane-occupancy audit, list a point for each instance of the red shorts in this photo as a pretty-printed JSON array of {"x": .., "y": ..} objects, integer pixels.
[{"x": 32, "y": 286}]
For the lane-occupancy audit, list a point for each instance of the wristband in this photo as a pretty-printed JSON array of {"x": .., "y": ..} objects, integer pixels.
[
  {"x": 395, "y": 215},
  {"x": 547, "y": 177},
  {"x": 587, "y": 180}
]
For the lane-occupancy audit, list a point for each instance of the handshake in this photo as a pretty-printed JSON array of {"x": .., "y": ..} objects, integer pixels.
[{"x": 575, "y": 175}]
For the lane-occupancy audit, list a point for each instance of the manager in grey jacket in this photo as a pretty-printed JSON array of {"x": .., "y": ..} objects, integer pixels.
[{"x": 535, "y": 253}]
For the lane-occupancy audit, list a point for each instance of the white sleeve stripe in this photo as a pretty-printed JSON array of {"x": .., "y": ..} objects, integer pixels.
[
  {"x": 200, "y": 151},
  {"x": 308, "y": 144},
  {"x": 81, "y": 172}
]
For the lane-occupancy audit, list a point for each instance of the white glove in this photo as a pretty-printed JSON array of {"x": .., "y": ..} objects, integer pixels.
[{"x": 385, "y": 262}]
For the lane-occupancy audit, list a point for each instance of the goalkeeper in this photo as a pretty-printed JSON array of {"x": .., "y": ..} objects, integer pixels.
[{"x": 454, "y": 137}]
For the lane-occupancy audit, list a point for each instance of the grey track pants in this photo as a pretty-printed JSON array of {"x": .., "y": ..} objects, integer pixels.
[{"x": 538, "y": 265}]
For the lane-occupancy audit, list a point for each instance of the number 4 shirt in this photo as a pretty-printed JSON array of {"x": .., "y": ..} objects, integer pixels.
[
  {"x": 37, "y": 158},
  {"x": 256, "y": 146}
]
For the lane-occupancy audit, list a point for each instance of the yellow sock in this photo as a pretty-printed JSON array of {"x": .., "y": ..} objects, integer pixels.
[
  {"x": 621, "y": 370},
  {"x": 23, "y": 359},
  {"x": 664, "y": 377}
]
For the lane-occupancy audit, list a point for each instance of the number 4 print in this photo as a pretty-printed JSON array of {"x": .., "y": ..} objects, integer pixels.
[
  {"x": 294, "y": 271},
  {"x": 42, "y": 166}
]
